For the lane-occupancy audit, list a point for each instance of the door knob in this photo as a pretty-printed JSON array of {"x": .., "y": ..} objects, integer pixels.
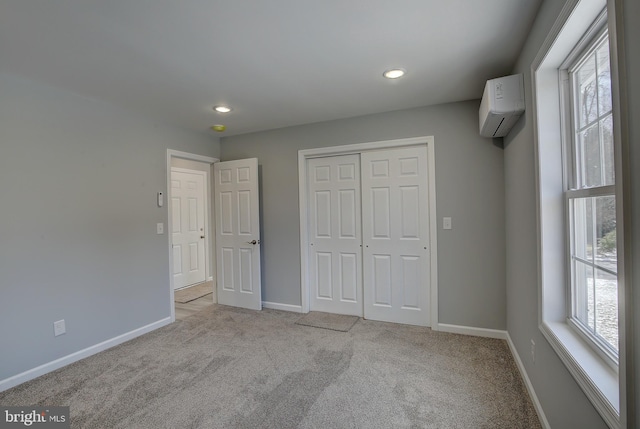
[
  {"x": 254, "y": 242},
  {"x": 202, "y": 236}
]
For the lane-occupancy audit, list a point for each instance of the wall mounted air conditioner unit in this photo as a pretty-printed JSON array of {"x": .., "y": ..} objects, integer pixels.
[{"x": 502, "y": 105}]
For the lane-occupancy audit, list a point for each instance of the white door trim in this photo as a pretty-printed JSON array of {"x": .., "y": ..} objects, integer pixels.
[
  {"x": 171, "y": 154},
  {"x": 303, "y": 155}
]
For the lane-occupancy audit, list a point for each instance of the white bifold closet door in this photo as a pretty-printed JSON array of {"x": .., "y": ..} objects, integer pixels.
[
  {"x": 335, "y": 245},
  {"x": 395, "y": 226}
]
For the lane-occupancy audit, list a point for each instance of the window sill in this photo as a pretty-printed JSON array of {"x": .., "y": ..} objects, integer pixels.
[{"x": 596, "y": 378}]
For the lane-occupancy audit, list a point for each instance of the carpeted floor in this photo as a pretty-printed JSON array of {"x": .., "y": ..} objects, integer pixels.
[{"x": 231, "y": 368}]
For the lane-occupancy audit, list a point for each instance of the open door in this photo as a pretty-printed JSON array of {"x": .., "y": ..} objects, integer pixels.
[{"x": 238, "y": 233}]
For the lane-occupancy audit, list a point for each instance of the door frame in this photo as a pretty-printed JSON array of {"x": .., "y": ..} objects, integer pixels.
[
  {"x": 175, "y": 154},
  {"x": 358, "y": 148}
]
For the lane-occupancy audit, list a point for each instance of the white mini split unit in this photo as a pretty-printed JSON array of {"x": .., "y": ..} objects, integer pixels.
[{"x": 502, "y": 105}]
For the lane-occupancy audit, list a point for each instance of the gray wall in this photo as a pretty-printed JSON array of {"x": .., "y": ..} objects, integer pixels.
[
  {"x": 469, "y": 188},
  {"x": 563, "y": 401},
  {"x": 78, "y": 229}
]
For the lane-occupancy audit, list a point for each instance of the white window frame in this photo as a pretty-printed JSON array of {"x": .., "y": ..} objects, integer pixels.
[
  {"x": 597, "y": 378},
  {"x": 574, "y": 187}
]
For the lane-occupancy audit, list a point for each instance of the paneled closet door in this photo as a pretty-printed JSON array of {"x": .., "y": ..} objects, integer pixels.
[
  {"x": 395, "y": 225},
  {"x": 335, "y": 250}
]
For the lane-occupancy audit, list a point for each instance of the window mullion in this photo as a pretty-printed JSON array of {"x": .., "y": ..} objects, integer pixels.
[
  {"x": 594, "y": 248},
  {"x": 596, "y": 191},
  {"x": 599, "y": 267},
  {"x": 600, "y": 145},
  {"x": 568, "y": 123},
  {"x": 577, "y": 139}
]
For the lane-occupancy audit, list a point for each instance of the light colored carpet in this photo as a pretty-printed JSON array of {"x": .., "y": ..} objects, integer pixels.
[
  {"x": 193, "y": 292},
  {"x": 231, "y": 368},
  {"x": 334, "y": 322}
]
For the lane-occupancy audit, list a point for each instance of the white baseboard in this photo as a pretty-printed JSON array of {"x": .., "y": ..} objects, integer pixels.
[
  {"x": 475, "y": 332},
  {"x": 283, "y": 307},
  {"x": 10, "y": 382},
  {"x": 532, "y": 393}
]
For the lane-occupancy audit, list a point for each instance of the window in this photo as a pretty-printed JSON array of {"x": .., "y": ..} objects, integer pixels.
[
  {"x": 578, "y": 201},
  {"x": 590, "y": 199}
]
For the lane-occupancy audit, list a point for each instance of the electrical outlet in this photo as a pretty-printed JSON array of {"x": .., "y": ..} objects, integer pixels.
[
  {"x": 160, "y": 228},
  {"x": 446, "y": 223},
  {"x": 533, "y": 351},
  {"x": 59, "y": 328}
]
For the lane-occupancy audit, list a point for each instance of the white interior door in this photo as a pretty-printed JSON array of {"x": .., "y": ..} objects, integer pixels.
[
  {"x": 395, "y": 226},
  {"x": 335, "y": 249},
  {"x": 188, "y": 227},
  {"x": 238, "y": 233}
]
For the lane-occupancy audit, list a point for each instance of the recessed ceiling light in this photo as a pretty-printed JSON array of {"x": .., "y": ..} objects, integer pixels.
[
  {"x": 222, "y": 109},
  {"x": 394, "y": 73}
]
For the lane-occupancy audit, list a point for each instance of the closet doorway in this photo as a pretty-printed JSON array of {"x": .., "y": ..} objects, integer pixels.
[{"x": 367, "y": 229}]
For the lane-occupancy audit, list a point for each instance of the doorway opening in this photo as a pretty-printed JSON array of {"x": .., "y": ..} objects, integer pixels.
[{"x": 190, "y": 232}]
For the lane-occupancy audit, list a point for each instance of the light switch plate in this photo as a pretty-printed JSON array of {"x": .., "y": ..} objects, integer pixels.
[
  {"x": 59, "y": 328},
  {"x": 160, "y": 228},
  {"x": 446, "y": 223}
]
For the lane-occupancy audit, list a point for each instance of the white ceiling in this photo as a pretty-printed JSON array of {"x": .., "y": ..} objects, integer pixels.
[{"x": 277, "y": 63}]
